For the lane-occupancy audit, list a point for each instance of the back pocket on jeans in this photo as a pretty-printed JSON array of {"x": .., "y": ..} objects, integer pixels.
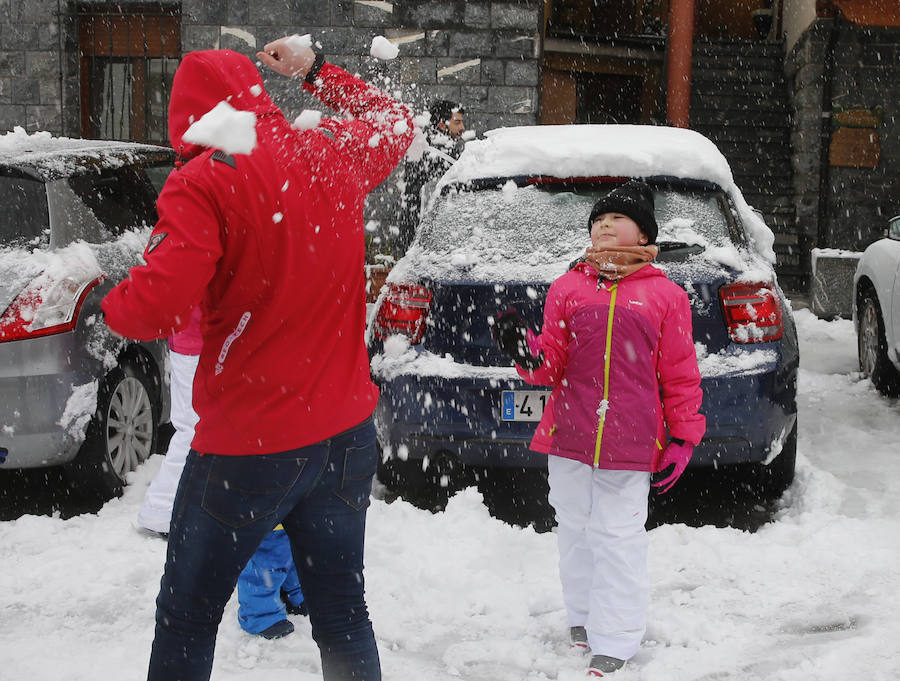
[
  {"x": 359, "y": 469},
  {"x": 241, "y": 489}
]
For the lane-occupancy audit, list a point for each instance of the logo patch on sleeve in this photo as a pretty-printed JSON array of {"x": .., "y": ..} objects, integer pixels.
[{"x": 155, "y": 241}]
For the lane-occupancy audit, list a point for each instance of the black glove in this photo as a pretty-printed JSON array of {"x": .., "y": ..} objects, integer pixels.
[{"x": 511, "y": 337}]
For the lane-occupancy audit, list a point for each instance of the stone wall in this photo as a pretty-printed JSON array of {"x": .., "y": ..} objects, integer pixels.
[
  {"x": 867, "y": 74},
  {"x": 482, "y": 54},
  {"x": 30, "y": 67},
  {"x": 858, "y": 201}
]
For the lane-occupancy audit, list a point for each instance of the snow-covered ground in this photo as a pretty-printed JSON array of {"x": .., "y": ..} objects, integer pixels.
[{"x": 812, "y": 595}]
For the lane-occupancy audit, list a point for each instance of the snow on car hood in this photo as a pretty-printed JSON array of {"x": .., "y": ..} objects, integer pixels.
[{"x": 606, "y": 150}]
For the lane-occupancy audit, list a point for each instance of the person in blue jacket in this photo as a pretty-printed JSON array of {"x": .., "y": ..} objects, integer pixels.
[{"x": 269, "y": 589}]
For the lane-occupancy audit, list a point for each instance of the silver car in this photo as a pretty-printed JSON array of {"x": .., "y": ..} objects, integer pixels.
[{"x": 75, "y": 215}]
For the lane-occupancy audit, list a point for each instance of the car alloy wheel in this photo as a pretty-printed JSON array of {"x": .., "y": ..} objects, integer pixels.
[
  {"x": 868, "y": 338},
  {"x": 872, "y": 348},
  {"x": 123, "y": 432},
  {"x": 129, "y": 426}
]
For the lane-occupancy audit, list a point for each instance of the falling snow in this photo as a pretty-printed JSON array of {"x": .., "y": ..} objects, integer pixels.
[{"x": 461, "y": 595}]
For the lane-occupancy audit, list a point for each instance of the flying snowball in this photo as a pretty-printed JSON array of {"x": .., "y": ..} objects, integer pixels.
[
  {"x": 382, "y": 48},
  {"x": 308, "y": 119},
  {"x": 225, "y": 128}
]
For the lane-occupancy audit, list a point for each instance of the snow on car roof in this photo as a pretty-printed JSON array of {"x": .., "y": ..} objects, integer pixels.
[
  {"x": 53, "y": 156},
  {"x": 590, "y": 151},
  {"x": 605, "y": 150}
]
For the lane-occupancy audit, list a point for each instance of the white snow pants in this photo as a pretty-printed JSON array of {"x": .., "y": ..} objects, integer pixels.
[
  {"x": 603, "y": 552},
  {"x": 156, "y": 511}
]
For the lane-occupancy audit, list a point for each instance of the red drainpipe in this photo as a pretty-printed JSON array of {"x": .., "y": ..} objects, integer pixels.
[{"x": 678, "y": 59}]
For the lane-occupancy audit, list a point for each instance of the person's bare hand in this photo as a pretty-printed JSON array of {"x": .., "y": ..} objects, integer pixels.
[{"x": 290, "y": 56}]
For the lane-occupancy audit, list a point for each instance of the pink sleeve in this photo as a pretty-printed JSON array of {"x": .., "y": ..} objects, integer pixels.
[
  {"x": 679, "y": 375},
  {"x": 189, "y": 341},
  {"x": 553, "y": 341}
]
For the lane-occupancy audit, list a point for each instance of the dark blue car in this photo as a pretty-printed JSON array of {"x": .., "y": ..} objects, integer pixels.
[{"x": 508, "y": 219}]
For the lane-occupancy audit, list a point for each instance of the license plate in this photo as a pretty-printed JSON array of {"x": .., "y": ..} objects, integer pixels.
[{"x": 523, "y": 405}]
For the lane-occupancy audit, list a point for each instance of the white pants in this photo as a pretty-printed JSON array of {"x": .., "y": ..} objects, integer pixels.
[
  {"x": 603, "y": 552},
  {"x": 156, "y": 512}
]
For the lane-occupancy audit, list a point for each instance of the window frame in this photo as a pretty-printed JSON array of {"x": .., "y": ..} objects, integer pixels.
[{"x": 134, "y": 35}]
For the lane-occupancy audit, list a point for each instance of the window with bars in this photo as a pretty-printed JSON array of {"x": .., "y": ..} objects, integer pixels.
[{"x": 128, "y": 55}]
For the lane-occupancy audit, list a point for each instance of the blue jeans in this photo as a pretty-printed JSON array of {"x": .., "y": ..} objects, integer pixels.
[{"x": 225, "y": 506}]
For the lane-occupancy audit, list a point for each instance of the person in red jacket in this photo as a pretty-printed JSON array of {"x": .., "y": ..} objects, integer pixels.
[{"x": 269, "y": 243}]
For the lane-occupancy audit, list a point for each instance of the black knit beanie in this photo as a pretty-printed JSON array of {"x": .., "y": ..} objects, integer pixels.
[{"x": 634, "y": 199}]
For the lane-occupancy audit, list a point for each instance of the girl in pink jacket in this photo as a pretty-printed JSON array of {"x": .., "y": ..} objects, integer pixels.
[{"x": 617, "y": 347}]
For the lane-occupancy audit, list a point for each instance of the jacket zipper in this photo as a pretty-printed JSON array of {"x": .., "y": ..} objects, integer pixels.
[{"x": 604, "y": 404}]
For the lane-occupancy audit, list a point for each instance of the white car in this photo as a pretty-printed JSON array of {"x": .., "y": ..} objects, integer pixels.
[{"x": 876, "y": 311}]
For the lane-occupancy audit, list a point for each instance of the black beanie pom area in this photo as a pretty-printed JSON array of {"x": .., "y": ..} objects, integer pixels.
[{"x": 634, "y": 199}]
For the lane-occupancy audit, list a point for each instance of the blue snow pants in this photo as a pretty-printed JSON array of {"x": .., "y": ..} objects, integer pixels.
[{"x": 259, "y": 586}]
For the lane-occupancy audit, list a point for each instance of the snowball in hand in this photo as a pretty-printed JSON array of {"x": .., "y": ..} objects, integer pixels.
[
  {"x": 225, "y": 128},
  {"x": 382, "y": 48},
  {"x": 308, "y": 119},
  {"x": 296, "y": 43}
]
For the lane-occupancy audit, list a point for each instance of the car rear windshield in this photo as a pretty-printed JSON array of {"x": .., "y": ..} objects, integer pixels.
[
  {"x": 98, "y": 207},
  {"x": 24, "y": 219},
  {"x": 549, "y": 222}
]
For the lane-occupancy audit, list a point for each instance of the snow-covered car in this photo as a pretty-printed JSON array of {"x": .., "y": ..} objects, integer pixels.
[
  {"x": 75, "y": 216},
  {"x": 509, "y": 218},
  {"x": 876, "y": 311}
]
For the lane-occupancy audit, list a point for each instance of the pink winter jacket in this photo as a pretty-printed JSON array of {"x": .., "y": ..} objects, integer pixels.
[
  {"x": 614, "y": 414},
  {"x": 189, "y": 341}
]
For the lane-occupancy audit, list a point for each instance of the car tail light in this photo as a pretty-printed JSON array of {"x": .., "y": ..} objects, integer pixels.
[
  {"x": 45, "y": 307},
  {"x": 752, "y": 312},
  {"x": 403, "y": 311}
]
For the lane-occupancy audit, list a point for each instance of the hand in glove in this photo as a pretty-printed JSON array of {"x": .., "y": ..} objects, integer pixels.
[
  {"x": 511, "y": 337},
  {"x": 677, "y": 453}
]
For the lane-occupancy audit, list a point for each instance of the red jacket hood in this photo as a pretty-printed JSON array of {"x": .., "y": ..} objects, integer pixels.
[{"x": 204, "y": 79}]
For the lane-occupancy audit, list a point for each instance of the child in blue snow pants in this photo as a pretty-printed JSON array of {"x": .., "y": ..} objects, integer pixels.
[{"x": 269, "y": 572}]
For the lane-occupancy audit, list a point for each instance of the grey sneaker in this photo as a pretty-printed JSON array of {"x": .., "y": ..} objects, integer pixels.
[
  {"x": 603, "y": 665},
  {"x": 578, "y": 638}
]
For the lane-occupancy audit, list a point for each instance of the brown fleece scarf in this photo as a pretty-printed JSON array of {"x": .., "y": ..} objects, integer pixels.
[{"x": 617, "y": 262}]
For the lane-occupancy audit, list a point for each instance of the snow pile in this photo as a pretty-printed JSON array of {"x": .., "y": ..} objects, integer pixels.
[
  {"x": 734, "y": 361},
  {"x": 57, "y": 155},
  {"x": 79, "y": 409},
  {"x": 383, "y": 49},
  {"x": 18, "y": 139},
  {"x": 49, "y": 281},
  {"x": 224, "y": 127},
  {"x": 400, "y": 359}
]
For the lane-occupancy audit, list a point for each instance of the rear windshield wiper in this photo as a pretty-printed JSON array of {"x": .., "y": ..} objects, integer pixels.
[{"x": 666, "y": 246}]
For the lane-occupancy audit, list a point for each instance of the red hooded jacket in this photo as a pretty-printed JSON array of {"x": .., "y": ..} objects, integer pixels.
[{"x": 270, "y": 245}]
